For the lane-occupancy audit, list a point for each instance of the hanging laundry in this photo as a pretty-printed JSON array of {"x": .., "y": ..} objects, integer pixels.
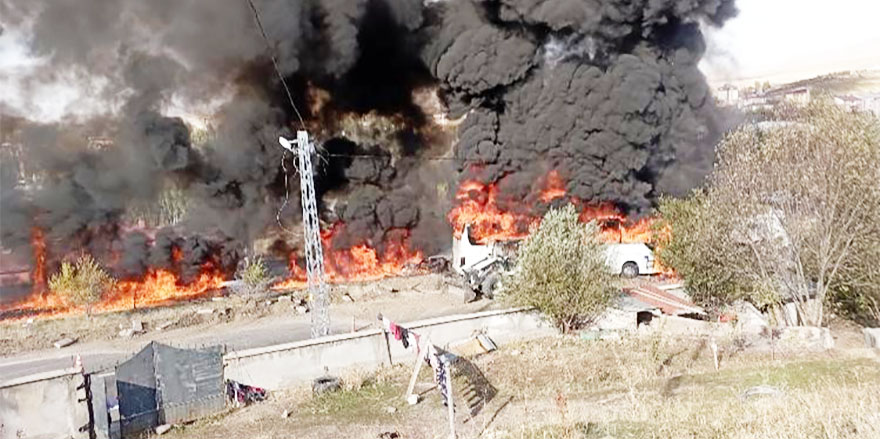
[
  {"x": 404, "y": 336},
  {"x": 400, "y": 333},
  {"x": 441, "y": 376},
  {"x": 395, "y": 330},
  {"x": 441, "y": 371}
]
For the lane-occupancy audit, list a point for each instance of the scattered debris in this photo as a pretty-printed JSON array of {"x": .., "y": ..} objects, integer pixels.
[
  {"x": 30, "y": 321},
  {"x": 325, "y": 384},
  {"x": 390, "y": 409},
  {"x": 64, "y": 342},
  {"x": 285, "y": 299},
  {"x": 126, "y": 333},
  {"x": 302, "y": 309},
  {"x": 412, "y": 399},
  {"x": 347, "y": 297},
  {"x": 515, "y": 352},
  {"x": 762, "y": 390},
  {"x": 285, "y": 414},
  {"x": 241, "y": 394},
  {"x": 162, "y": 326},
  {"x": 389, "y": 435},
  {"x": 479, "y": 344},
  {"x": 435, "y": 264},
  {"x": 217, "y": 299},
  {"x": 162, "y": 429},
  {"x": 202, "y": 311},
  {"x": 137, "y": 326}
]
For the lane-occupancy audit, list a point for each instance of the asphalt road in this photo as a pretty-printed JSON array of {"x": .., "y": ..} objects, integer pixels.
[{"x": 414, "y": 302}]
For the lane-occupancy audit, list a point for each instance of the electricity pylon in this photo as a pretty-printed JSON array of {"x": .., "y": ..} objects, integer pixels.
[{"x": 318, "y": 300}]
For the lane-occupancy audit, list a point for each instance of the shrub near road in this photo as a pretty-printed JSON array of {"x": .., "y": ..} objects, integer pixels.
[{"x": 561, "y": 270}]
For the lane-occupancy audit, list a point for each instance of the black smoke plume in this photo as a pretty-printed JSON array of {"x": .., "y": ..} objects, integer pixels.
[{"x": 607, "y": 93}]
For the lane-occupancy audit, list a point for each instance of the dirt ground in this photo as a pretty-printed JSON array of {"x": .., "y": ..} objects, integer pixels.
[
  {"x": 407, "y": 298},
  {"x": 566, "y": 387}
]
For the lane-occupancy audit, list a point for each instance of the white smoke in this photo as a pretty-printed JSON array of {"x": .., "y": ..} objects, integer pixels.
[{"x": 557, "y": 49}]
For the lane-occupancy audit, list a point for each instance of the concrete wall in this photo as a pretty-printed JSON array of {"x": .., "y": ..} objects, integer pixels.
[
  {"x": 43, "y": 406},
  {"x": 281, "y": 366}
]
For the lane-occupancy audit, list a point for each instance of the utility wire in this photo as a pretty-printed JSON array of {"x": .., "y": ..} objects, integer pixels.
[
  {"x": 292, "y": 105},
  {"x": 275, "y": 62}
]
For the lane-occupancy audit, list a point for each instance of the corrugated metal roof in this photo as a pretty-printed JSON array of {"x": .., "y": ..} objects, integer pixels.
[{"x": 667, "y": 302}]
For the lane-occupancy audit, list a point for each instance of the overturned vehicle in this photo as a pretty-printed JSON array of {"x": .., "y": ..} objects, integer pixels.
[{"x": 484, "y": 266}]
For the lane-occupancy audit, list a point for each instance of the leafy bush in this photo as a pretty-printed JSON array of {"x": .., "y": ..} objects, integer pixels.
[
  {"x": 696, "y": 248},
  {"x": 82, "y": 283},
  {"x": 790, "y": 213},
  {"x": 561, "y": 271},
  {"x": 253, "y": 277}
]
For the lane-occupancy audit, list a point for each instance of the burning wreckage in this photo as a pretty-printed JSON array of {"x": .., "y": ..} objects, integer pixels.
[
  {"x": 484, "y": 266},
  {"x": 431, "y": 116}
]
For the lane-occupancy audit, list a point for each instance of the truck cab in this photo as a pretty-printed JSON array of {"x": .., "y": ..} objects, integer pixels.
[{"x": 630, "y": 259}]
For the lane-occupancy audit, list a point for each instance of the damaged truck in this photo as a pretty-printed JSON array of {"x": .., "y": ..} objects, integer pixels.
[{"x": 484, "y": 266}]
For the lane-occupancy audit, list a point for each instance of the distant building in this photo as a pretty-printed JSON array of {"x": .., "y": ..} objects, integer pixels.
[
  {"x": 727, "y": 95},
  {"x": 872, "y": 103},
  {"x": 864, "y": 103},
  {"x": 799, "y": 96}
]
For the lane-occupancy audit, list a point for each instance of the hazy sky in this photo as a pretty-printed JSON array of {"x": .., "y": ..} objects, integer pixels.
[{"x": 781, "y": 38}]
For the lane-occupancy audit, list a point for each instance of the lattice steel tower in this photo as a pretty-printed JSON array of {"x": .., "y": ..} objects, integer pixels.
[{"x": 318, "y": 300}]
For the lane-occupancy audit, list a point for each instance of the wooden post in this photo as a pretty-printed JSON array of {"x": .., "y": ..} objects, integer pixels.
[
  {"x": 417, "y": 367},
  {"x": 387, "y": 346},
  {"x": 714, "y": 347},
  {"x": 449, "y": 403}
]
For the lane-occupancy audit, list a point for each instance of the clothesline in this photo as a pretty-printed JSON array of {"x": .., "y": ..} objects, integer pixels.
[{"x": 431, "y": 356}]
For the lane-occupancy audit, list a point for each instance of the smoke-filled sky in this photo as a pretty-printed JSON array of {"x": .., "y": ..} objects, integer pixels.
[
  {"x": 793, "y": 39},
  {"x": 606, "y": 93}
]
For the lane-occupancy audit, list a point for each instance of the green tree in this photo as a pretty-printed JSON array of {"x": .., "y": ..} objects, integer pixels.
[
  {"x": 692, "y": 249},
  {"x": 561, "y": 271},
  {"x": 82, "y": 283},
  {"x": 253, "y": 277},
  {"x": 791, "y": 212}
]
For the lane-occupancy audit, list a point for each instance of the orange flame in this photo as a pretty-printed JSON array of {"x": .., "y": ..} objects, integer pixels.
[
  {"x": 554, "y": 187},
  {"x": 160, "y": 287},
  {"x": 157, "y": 287},
  {"x": 359, "y": 263},
  {"x": 38, "y": 276},
  {"x": 476, "y": 205}
]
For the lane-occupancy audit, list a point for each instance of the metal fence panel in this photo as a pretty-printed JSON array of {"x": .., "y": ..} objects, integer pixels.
[
  {"x": 190, "y": 382},
  {"x": 136, "y": 389}
]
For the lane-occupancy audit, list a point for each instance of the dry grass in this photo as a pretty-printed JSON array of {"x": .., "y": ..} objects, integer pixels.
[{"x": 568, "y": 388}]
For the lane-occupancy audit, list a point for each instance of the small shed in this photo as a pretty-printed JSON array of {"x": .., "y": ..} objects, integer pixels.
[{"x": 162, "y": 384}]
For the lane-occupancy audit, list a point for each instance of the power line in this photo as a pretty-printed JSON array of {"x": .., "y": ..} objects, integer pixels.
[
  {"x": 275, "y": 63},
  {"x": 292, "y": 105}
]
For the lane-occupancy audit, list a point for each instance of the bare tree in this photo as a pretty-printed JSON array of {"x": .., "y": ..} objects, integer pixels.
[{"x": 802, "y": 195}]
